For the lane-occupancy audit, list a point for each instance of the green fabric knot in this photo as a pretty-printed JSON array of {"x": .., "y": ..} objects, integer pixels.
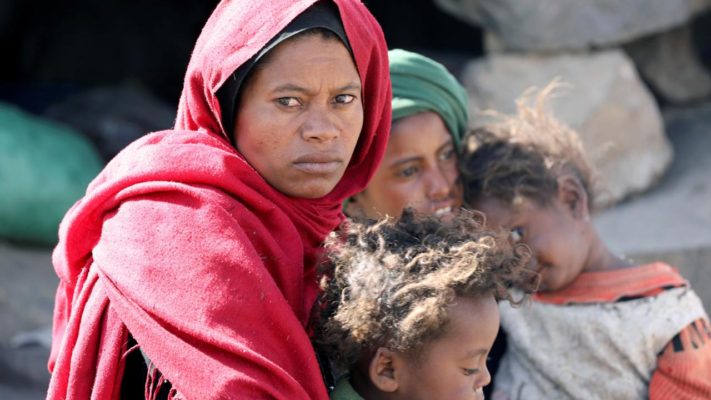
[{"x": 422, "y": 84}]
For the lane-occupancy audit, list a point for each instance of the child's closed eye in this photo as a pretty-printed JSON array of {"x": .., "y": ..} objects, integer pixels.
[{"x": 470, "y": 371}]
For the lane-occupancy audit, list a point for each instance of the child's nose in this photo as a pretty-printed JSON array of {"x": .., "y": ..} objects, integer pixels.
[{"x": 484, "y": 379}]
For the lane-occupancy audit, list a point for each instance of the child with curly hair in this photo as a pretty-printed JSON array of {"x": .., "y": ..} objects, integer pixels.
[
  {"x": 409, "y": 305},
  {"x": 600, "y": 327}
]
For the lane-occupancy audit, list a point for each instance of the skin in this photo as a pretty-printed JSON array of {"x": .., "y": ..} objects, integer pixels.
[
  {"x": 419, "y": 170},
  {"x": 560, "y": 234},
  {"x": 300, "y": 116},
  {"x": 452, "y": 367}
]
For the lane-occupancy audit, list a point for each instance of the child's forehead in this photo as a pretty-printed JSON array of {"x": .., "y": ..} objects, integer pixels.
[
  {"x": 479, "y": 311},
  {"x": 502, "y": 212}
]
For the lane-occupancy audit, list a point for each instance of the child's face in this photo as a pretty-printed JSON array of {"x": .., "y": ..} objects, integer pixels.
[
  {"x": 554, "y": 233},
  {"x": 454, "y": 365}
]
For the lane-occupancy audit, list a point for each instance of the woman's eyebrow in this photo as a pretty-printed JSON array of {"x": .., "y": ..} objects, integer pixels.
[
  {"x": 350, "y": 86},
  {"x": 292, "y": 87},
  {"x": 404, "y": 161}
]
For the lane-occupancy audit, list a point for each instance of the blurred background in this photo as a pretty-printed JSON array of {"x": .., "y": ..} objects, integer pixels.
[{"x": 81, "y": 79}]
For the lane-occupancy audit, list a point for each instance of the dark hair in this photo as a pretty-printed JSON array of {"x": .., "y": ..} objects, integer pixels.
[
  {"x": 523, "y": 155},
  {"x": 390, "y": 283},
  {"x": 325, "y": 34}
]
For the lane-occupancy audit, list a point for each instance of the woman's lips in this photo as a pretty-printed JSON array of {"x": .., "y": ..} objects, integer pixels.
[{"x": 319, "y": 164}]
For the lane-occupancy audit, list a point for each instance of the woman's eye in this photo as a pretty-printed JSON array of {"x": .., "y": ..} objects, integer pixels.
[
  {"x": 407, "y": 172},
  {"x": 447, "y": 154},
  {"x": 344, "y": 98},
  {"x": 470, "y": 371},
  {"x": 517, "y": 233},
  {"x": 288, "y": 101}
]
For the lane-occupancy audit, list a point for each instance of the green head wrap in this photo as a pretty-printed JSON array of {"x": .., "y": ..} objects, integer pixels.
[{"x": 422, "y": 84}]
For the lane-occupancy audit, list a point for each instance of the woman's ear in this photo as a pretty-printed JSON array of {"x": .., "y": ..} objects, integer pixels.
[
  {"x": 383, "y": 371},
  {"x": 573, "y": 196}
]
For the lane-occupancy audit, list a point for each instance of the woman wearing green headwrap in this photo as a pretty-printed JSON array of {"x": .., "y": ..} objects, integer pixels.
[{"x": 419, "y": 169}]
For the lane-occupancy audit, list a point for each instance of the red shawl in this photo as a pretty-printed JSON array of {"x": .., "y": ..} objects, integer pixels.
[{"x": 182, "y": 243}]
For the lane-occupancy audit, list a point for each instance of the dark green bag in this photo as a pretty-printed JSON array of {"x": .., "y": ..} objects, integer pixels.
[{"x": 44, "y": 168}]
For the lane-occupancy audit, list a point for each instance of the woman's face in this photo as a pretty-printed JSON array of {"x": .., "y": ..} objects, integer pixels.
[
  {"x": 419, "y": 170},
  {"x": 300, "y": 116}
]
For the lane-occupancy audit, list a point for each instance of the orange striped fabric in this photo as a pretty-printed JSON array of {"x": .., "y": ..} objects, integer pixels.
[
  {"x": 684, "y": 366},
  {"x": 608, "y": 286}
]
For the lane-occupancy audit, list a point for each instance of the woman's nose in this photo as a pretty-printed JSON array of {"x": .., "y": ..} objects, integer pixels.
[
  {"x": 319, "y": 126},
  {"x": 439, "y": 186}
]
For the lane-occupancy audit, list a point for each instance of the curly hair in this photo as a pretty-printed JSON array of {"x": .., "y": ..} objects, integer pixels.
[
  {"x": 523, "y": 155},
  {"x": 390, "y": 283}
]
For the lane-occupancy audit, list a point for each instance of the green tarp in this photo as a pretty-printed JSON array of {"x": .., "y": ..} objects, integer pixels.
[{"x": 44, "y": 168}]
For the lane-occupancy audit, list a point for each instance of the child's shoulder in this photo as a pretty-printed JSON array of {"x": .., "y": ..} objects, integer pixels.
[{"x": 637, "y": 281}]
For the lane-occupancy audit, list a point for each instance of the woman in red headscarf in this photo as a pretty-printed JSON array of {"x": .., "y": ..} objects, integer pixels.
[{"x": 200, "y": 243}]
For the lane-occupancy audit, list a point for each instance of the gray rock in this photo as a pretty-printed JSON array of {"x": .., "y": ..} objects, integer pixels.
[
  {"x": 24, "y": 367},
  {"x": 673, "y": 221},
  {"x": 27, "y": 290},
  {"x": 615, "y": 115},
  {"x": 551, "y": 25},
  {"x": 41, "y": 337},
  {"x": 670, "y": 63},
  {"x": 12, "y": 393}
]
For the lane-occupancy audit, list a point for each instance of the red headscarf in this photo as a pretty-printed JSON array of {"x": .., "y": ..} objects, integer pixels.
[{"x": 183, "y": 244}]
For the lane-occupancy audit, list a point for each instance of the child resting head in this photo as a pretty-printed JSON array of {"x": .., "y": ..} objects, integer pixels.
[
  {"x": 409, "y": 306},
  {"x": 528, "y": 173},
  {"x": 618, "y": 330}
]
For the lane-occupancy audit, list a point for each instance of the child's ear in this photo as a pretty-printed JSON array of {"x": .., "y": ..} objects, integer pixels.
[
  {"x": 382, "y": 370},
  {"x": 573, "y": 196}
]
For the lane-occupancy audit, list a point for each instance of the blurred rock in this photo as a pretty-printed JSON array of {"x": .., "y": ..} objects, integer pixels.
[
  {"x": 671, "y": 222},
  {"x": 113, "y": 117},
  {"x": 615, "y": 115},
  {"x": 699, "y": 6},
  {"x": 670, "y": 64},
  {"x": 27, "y": 290},
  {"x": 12, "y": 393},
  {"x": 553, "y": 25},
  {"x": 41, "y": 337},
  {"x": 24, "y": 367}
]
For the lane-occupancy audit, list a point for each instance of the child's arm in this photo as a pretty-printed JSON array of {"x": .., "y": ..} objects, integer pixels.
[{"x": 684, "y": 366}]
